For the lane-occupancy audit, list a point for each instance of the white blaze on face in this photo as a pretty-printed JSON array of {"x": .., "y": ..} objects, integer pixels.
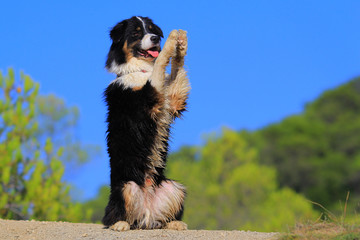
[{"x": 143, "y": 23}]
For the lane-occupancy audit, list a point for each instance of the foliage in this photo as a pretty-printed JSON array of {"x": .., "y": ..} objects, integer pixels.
[
  {"x": 317, "y": 153},
  {"x": 31, "y": 169},
  {"x": 259, "y": 180},
  {"x": 58, "y": 121},
  {"x": 229, "y": 189},
  {"x": 98, "y": 204}
]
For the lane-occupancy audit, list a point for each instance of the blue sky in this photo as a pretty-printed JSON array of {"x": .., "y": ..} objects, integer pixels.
[{"x": 250, "y": 63}]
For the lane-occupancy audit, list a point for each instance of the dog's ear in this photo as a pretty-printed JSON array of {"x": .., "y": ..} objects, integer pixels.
[
  {"x": 118, "y": 31},
  {"x": 158, "y": 31}
]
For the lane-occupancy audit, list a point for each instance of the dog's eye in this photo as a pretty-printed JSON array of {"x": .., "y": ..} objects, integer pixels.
[
  {"x": 150, "y": 27},
  {"x": 136, "y": 34}
]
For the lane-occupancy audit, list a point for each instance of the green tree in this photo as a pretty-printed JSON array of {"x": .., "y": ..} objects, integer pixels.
[
  {"x": 30, "y": 168},
  {"x": 257, "y": 180},
  {"x": 317, "y": 153},
  {"x": 229, "y": 189},
  {"x": 59, "y": 121},
  {"x": 98, "y": 204}
]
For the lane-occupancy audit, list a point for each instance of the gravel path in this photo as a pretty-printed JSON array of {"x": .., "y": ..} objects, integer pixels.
[{"x": 26, "y": 230}]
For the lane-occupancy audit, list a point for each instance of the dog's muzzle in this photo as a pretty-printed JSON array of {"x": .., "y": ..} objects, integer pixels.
[{"x": 151, "y": 44}]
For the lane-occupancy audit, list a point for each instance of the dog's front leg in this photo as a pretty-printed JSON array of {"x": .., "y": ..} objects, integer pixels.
[
  {"x": 178, "y": 85},
  {"x": 158, "y": 76}
]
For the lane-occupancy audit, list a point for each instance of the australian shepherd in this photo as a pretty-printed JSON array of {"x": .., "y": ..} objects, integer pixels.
[{"x": 142, "y": 102}]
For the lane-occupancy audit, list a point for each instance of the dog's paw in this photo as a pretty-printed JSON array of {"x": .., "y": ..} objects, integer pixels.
[
  {"x": 173, "y": 35},
  {"x": 176, "y": 225},
  {"x": 120, "y": 226},
  {"x": 182, "y": 43},
  {"x": 171, "y": 43}
]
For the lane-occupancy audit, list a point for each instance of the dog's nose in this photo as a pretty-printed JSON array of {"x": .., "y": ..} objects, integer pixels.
[{"x": 155, "y": 39}]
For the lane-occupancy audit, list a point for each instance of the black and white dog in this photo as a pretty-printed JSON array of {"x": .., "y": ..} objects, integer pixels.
[{"x": 142, "y": 103}]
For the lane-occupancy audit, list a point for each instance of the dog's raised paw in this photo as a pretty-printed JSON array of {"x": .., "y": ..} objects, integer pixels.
[
  {"x": 182, "y": 42},
  {"x": 173, "y": 34},
  {"x": 120, "y": 226},
  {"x": 176, "y": 225},
  {"x": 169, "y": 49}
]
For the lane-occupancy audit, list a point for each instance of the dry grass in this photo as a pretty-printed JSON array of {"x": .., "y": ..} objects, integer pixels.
[
  {"x": 328, "y": 226},
  {"x": 322, "y": 231}
]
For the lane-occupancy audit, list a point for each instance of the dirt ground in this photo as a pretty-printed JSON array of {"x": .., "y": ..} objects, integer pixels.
[{"x": 26, "y": 230}]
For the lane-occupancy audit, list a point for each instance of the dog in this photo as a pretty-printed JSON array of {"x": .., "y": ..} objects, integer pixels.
[{"x": 143, "y": 101}]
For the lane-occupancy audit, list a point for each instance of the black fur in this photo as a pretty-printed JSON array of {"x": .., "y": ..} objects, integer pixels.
[{"x": 130, "y": 136}]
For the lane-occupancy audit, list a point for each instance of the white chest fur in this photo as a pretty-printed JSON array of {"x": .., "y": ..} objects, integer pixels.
[
  {"x": 134, "y": 73},
  {"x": 133, "y": 80}
]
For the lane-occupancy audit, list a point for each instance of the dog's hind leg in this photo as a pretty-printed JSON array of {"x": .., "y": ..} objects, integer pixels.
[
  {"x": 115, "y": 212},
  {"x": 169, "y": 50},
  {"x": 178, "y": 85},
  {"x": 168, "y": 204}
]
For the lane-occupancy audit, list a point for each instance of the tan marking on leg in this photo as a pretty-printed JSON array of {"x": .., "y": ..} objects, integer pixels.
[
  {"x": 120, "y": 226},
  {"x": 128, "y": 198},
  {"x": 134, "y": 202},
  {"x": 178, "y": 93},
  {"x": 156, "y": 111},
  {"x": 149, "y": 182},
  {"x": 137, "y": 88},
  {"x": 177, "y": 104},
  {"x": 159, "y": 147},
  {"x": 176, "y": 225}
]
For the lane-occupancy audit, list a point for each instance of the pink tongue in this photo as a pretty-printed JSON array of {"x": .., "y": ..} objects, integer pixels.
[{"x": 154, "y": 54}]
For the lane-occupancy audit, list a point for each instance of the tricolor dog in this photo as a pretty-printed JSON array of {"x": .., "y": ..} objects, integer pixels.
[{"x": 142, "y": 102}]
